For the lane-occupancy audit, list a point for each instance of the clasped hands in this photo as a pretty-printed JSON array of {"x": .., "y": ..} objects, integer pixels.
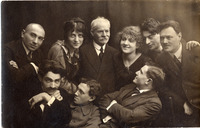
[{"x": 44, "y": 97}]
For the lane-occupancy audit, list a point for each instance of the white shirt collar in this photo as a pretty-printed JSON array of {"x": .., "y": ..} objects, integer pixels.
[
  {"x": 178, "y": 53},
  {"x": 98, "y": 47},
  {"x": 26, "y": 50},
  {"x": 142, "y": 90}
]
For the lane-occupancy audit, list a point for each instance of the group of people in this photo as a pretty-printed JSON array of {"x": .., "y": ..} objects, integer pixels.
[{"x": 153, "y": 80}]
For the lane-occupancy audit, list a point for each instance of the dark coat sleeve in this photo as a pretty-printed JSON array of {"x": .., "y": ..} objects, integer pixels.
[
  {"x": 106, "y": 100},
  {"x": 140, "y": 113},
  {"x": 14, "y": 52}
]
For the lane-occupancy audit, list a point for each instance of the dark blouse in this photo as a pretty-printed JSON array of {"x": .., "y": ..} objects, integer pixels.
[{"x": 126, "y": 75}]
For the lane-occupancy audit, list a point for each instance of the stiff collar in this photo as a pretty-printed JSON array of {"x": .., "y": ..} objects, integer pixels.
[
  {"x": 178, "y": 53},
  {"x": 142, "y": 90},
  {"x": 98, "y": 47},
  {"x": 86, "y": 109}
]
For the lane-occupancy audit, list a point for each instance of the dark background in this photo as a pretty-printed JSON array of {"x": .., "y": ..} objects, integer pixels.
[{"x": 51, "y": 15}]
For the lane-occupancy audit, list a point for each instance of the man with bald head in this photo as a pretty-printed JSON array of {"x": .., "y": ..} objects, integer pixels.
[
  {"x": 97, "y": 56},
  {"x": 21, "y": 61}
]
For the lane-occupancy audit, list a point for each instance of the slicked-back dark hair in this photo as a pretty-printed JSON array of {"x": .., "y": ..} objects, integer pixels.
[
  {"x": 157, "y": 75},
  {"x": 150, "y": 25}
]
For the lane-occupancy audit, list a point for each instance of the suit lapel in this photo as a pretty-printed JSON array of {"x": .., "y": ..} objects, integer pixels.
[
  {"x": 21, "y": 54},
  {"x": 93, "y": 58},
  {"x": 133, "y": 99},
  {"x": 171, "y": 65}
]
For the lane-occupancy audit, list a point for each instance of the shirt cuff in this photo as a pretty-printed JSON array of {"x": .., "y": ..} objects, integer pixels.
[
  {"x": 106, "y": 119},
  {"x": 35, "y": 67},
  {"x": 111, "y": 104},
  {"x": 51, "y": 101}
]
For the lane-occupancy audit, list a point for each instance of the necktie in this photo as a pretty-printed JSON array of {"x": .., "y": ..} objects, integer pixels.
[
  {"x": 178, "y": 63},
  {"x": 101, "y": 53},
  {"x": 135, "y": 92},
  {"x": 29, "y": 56}
]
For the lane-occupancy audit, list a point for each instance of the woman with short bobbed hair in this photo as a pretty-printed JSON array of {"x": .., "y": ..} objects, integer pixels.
[
  {"x": 130, "y": 59},
  {"x": 66, "y": 51}
]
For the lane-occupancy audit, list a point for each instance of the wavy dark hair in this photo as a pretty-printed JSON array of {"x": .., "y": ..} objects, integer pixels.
[
  {"x": 150, "y": 25},
  {"x": 74, "y": 24},
  {"x": 51, "y": 65}
]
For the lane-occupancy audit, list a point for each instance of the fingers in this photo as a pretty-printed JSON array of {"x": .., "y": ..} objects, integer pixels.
[
  {"x": 32, "y": 102},
  {"x": 191, "y": 44},
  {"x": 14, "y": 64},
  {"x": 57, "y": 95},
  {"x": 59, "y": 98}
]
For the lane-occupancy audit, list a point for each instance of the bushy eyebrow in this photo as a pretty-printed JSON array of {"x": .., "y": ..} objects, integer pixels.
[{"x": 47, "y": 78}]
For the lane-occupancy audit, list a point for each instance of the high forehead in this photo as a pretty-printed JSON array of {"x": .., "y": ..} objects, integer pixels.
[
  {"x": 84, "y": 87},
  {"x": 102, "y": 25},
  {"x": 146, "y": 33},
  {"x": 167, "y": 31},
  {"x": 37, "y": 28},
  {"x": 52, "y": 75},
  {"x": 145, "y": 68}
]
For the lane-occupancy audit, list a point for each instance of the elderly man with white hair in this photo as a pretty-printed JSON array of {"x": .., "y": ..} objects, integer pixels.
[{"x": 97, "y": 56}]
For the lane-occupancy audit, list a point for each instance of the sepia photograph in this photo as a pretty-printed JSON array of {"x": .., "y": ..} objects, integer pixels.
[{"x": 100, "y": 63}]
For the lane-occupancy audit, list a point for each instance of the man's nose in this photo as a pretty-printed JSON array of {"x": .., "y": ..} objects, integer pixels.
[
  {"x": 35, "y": 40},
  {"x": 76, "y": 93},
  {"x": 147, "y": 41},
  {"x": 165, "y": 40},
  {"x": 104, "y": 33},
  {"x": 53, "y": 85}
]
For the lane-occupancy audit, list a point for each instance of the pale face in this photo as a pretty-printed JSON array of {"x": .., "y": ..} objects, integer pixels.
[
  {"x": 33, "y": 37},
  {"x": 75, "y": 39},
  {"x": 128, "y": 44},
  {"x": 51, "y": 82},
  {"x": 101, "y": 34},
  {"x": 141, "y": 76},
  {"x": 152, "y": 41},
  {"x": 82, "y": 94},
  {"x": 170, "y": 40}
]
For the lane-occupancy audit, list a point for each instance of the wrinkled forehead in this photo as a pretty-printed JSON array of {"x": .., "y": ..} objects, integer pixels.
[
  {"x": 100, "y": 25},
  {"x": 52, "y": 75}
]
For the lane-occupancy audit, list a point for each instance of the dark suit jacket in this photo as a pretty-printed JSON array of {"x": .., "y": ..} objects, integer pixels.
[
  {"x": 131, "y": 110},
  {"x": 55, "y": 116},
  {"x": 183, "y": 84},
  {"x": 20, "y": 80},
  {"x": 125, "y": 76},
  {"x": 92, "y": 67}
]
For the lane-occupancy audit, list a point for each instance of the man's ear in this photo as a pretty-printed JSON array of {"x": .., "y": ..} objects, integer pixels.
[
  {"x": 149, "y": 81},
  {"x": 22, "y": 33},
  {"x": 180, "y": 35},
  {"x": 92, "y": 98}
]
